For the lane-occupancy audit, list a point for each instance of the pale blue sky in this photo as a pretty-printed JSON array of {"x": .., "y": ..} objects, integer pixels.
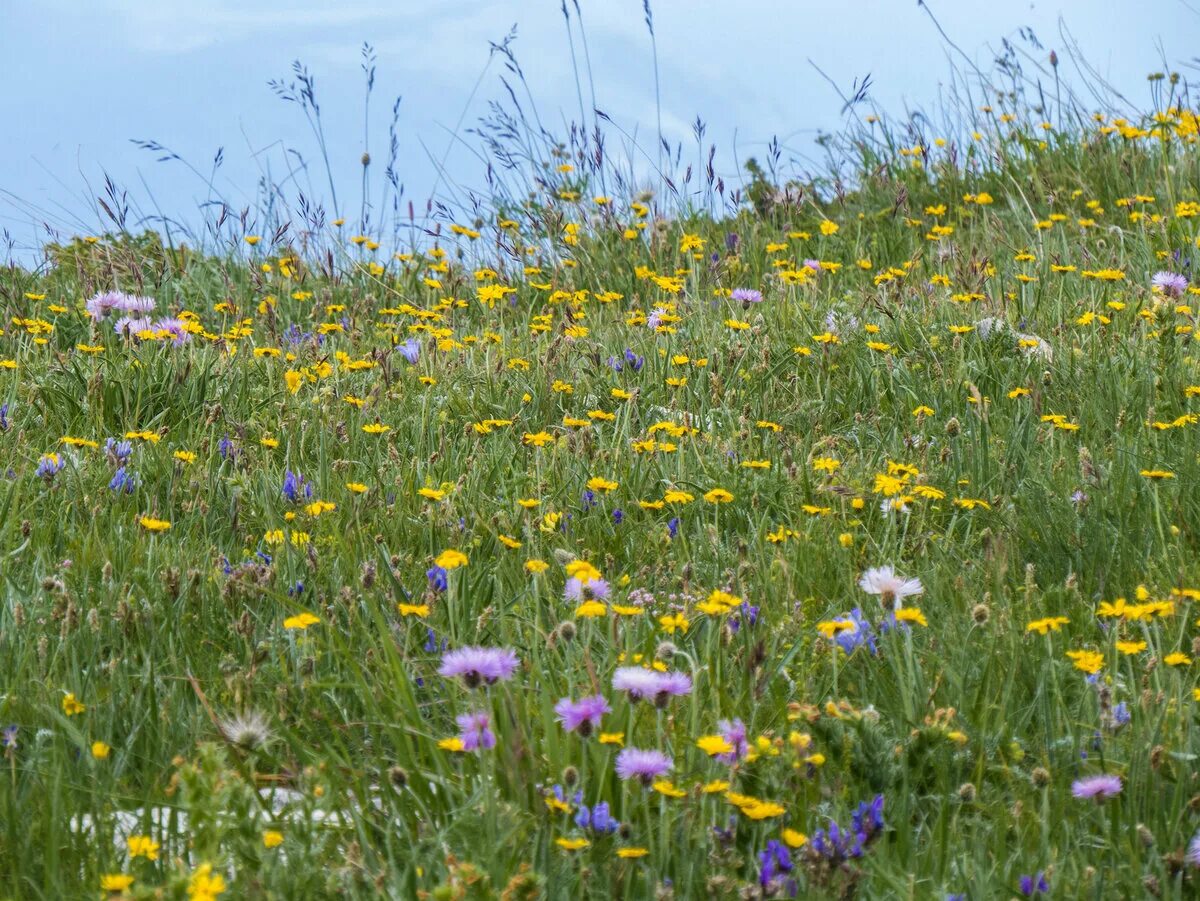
[{"x": 78, "y": 80}]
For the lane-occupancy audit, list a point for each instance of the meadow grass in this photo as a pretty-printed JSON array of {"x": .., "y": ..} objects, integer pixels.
[{"x": 601, "y": 436}]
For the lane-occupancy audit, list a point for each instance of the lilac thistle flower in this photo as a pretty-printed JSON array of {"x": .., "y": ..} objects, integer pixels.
[
  {"x": 1171, "y": 284},
  {"x": 411, "y": 350},
  {"x": 746, "y": 296},
  {"x": 634, "y": 763},
  {"x": 478, "y": 665},
  {"x": 654, "y": 320},
  {"x": 734, "y": 732},
  {"x": 475, "y": 731},
  {"x": 576, "y": 590},
  {"x": 179, "y": 334},
  {"x": 582, "y": 716},
  {"x": 1032, "y": 886},
  {"x": 1192, "y": 856},
  {"x": 815, "y": 265},
  {"x": 1097, "y": 788},
  {"x": 891, "y": 588},
  {"x": 644, "y": 684},
  {"x": 129, "y": 326}
]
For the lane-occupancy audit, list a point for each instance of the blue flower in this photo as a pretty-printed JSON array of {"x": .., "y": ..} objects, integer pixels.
[{"x": 437, "y": 578}]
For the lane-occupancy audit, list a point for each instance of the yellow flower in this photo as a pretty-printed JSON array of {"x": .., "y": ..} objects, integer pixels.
[
  {"x": 115, "y": 882},
  {"x": 572, "y": 844},
  {"x": 432, "y": 494},
  {"x": 272, "y": 839},
  {"x": 100, "y": 750},
  {"x": 413, "y": 609},
  {"x": 356, "y": 487},
  {"x": 718, "y": 496},
  {"x": 1131, "y": 647},
  {"x": 536, "y": 566},
  {"x": 1090, "y": 662},
  {"x": 612, "y": 738},
  {"x": 1048, "y": 624},
  {"x": 185, "y": 456},
  {"x": 142, "y": 846},
  {"x": 451, "y": 744},
  {"x": 668, "y": 789},
  {"x": 301, "y": 621},
  {"x": 376, "y": 428},
  {"x": 151, "y": 524},
  {"x": 450, "y": 559},
  {"x": 1177, "y": 659},
  {"x": 713, "y": 745},
  {"x": 599, "y": 484},
  {"x": 204, "y": 885},
  {"x": 71, "y": 706},
  {"x": 911, "y": 615},
  {"x": 794, "y": 839},
  {"x": 671, "y": 622},
  {"x": 591, "y": 608},
  {"x": 628, "y": 853}
]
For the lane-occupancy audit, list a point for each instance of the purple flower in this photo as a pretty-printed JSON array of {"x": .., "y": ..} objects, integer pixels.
[
  {"x": 773, "y": 862},
  {"x": 129, "y": 326},
  {"x": 597, "y": 818},
  {"x": 411, "y": 350},
  {"x": 734, "y": 732},
  {"x": 1172, "y": 284},
  {"x": 618, "y": 516},
  {"x": 850, "y": 640},
  {"x": 438, "y": 580},
  {"x": 644, "y": 684},
  {"x": 815, "y": 265},
  {"x": 49, "y": 466},
  {"x": 1034, "y": 885},
  {"x": 1193, "y": 851},
  {"x": 175, "y": 327},
  {"x": 746, "y": 296},
  {"x": 118, "y": 451},
  {"x": 479, "y": 665},
  {"x": 1097, "y": 788},
  {"x": 673, "y": 526},
  {"x": 635, "y": 362},
  {"x": 8, "y": 737},
  {"x": 583, "y": 715},
  {"x": 575, "y": 590},
  {"x": 654, "y": 320},
  {"x": 634, "y": 763},
  {"x": 123, "y": 481},
  {"x": 475, "y": 731},
  {"x": 294, "y": 485},
  {"x": 100, "y": 305},
  {"x": 4, "y": 423}
]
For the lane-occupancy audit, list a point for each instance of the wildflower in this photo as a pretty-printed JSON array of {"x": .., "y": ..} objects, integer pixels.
[
  {"x": 49, "y": 465},
  {"x": 115, "y": 882},
  {"x": 301, "y": 621},
  {"x": 634, "y": 763},
  {"x": 583, "y": 715},
  {"x": 438, "y": 579},
  {"x": 746, "y": 296},
  {"x": 100, "y": 750},
  {"x": 1170, "y": 284},
  {"x": 1032, "y": 886},
  {"x": 644, "y": 684},
  {"x": 71, "y": 706},
  {"x": 1047, "y": 624},
  {"x": 597, "y": 818},
  {"x": 203, "y": 885},
  {"x": 1097, "y": 788},
  {"x": 142, "y": 846},
  {"x": 891, "y": 588},
  {"x": 577, "y": 589},
  {"x": 475, "y": 731},
  {"x": 478, "y": 665},
  {"x": 272, "y": 839},
  {"x": 248, "y": 731},
  {"x": 775, "y": 861},
  {"x": 450, "y": 559}
]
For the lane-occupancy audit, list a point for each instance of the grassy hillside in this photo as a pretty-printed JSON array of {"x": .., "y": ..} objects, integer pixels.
[{"x": 253, "y": 524}]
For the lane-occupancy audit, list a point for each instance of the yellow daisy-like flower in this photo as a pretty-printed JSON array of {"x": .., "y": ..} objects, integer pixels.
[{"x": 301, "y": 621}]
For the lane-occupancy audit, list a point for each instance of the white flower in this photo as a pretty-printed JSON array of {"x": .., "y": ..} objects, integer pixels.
[{"x": 891, "y": 588}]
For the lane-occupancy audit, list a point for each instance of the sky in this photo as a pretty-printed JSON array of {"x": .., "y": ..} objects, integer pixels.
[{"x": 79, "y": 80}]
